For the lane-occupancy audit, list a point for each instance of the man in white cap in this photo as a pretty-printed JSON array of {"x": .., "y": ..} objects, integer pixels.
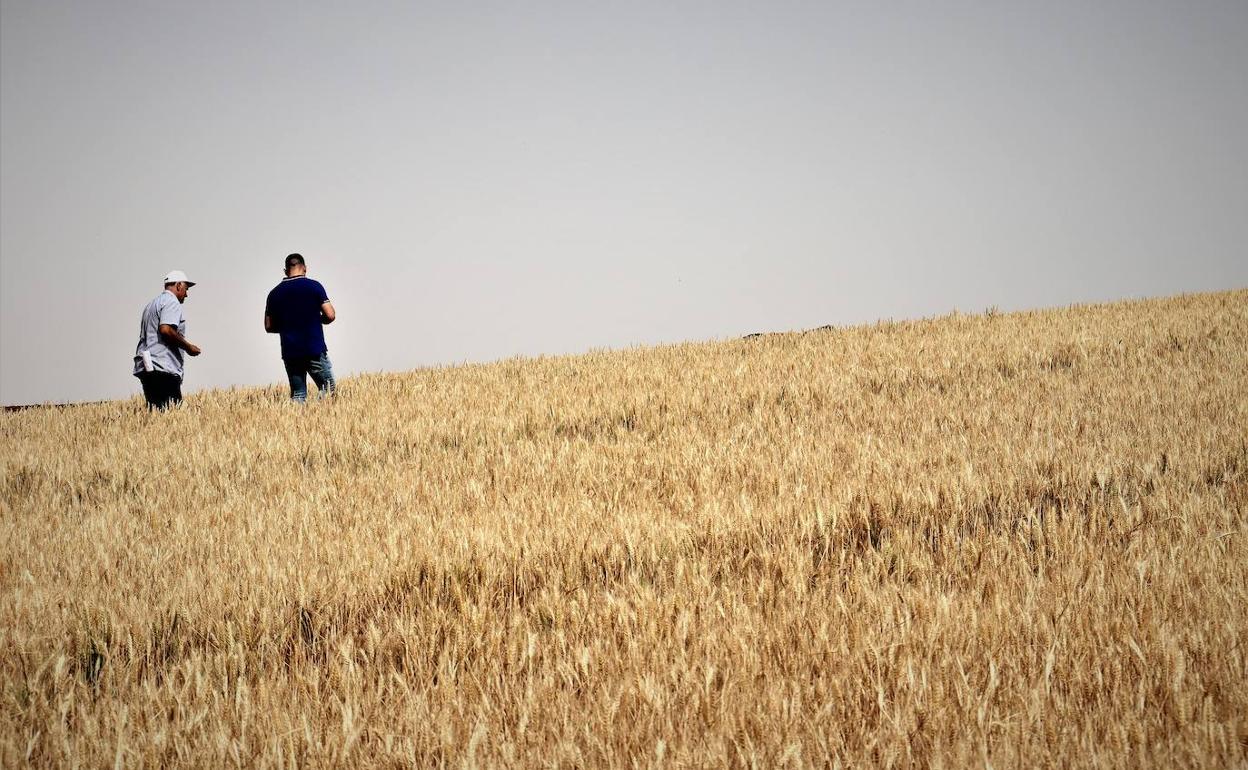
[{"x": 162, "y": 339}]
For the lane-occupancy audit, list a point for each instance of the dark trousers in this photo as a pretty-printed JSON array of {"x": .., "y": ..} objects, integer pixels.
[{"x": 161, "y": 389}]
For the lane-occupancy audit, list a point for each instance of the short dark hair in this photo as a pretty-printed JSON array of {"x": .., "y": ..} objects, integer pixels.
[{"x": 294, "y": 259}]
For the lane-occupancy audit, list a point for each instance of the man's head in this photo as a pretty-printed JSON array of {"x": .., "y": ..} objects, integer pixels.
[
  {"x": 177, "y": 284},
  {"x": 295, "y": 265}
]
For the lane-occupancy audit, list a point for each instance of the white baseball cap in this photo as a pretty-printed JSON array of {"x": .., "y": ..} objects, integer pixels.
[{"x": 177, "y": 276}]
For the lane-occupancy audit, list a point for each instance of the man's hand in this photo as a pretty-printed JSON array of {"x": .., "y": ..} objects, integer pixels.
[{"x": 175, "y": 337}]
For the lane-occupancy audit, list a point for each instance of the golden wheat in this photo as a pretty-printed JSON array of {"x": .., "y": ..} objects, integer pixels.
[{"x": 1006, "y": 539}]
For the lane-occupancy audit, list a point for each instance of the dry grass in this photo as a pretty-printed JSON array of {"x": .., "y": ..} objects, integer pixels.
[{"x": 1015, "y": 539}]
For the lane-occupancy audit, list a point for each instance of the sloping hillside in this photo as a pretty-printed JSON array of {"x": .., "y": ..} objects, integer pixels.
[{"x": 1006, "y": 538}]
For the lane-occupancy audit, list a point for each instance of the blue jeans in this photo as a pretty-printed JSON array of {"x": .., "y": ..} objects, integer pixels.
[{"x": 298, "y": 369}]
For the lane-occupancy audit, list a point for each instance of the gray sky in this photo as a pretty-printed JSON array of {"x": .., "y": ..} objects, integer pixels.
[{"x": 478, "y": 180}]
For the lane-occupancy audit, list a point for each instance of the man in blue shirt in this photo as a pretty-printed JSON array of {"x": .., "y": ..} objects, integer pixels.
[{"x": 296, "y": 309}]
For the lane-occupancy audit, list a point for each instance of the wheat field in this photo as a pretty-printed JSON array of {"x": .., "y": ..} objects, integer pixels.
[{"x": 1005, "y": 539}]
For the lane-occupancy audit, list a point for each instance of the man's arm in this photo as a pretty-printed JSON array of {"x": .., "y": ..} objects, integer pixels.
[
  {"x": 269, "y": 326},
  {"x": 327, "y": 312},
  {"x": 171, "y": 334}
]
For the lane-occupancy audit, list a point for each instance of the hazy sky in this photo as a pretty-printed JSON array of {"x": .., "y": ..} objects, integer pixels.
[{"x": 478, "y": 180}]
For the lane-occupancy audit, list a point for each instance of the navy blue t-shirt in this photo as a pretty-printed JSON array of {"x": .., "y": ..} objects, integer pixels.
[{"x": 294, "y": 306}]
